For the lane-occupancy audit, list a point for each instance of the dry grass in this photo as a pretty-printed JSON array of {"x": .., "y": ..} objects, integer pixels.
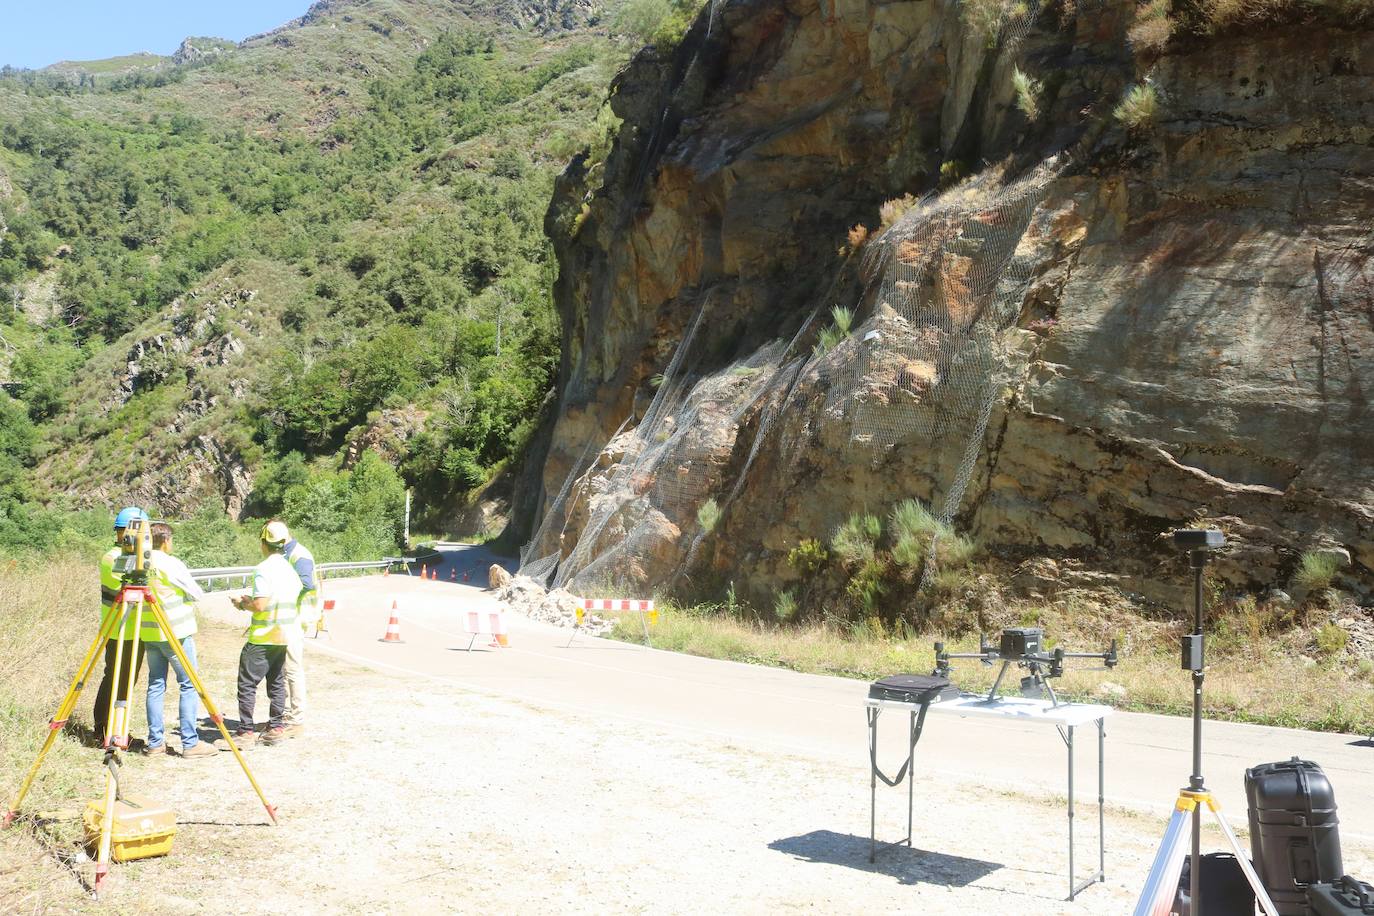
[
  {"x": 1254, "y": 675},
  {"x": 1223, "y": 13},
  {"x": 50, "y": 612}
]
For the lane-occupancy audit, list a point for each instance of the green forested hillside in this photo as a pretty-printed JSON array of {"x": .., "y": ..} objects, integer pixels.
[{"x": 230, "y": 278}]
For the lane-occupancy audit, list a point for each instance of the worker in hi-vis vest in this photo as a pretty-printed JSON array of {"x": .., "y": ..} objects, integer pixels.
[
  {"x": 307, "y": 615},
  {"x": 272, "y": 602},
  {"x": 178, "y": 593},
  {"x": 111, "y": 581}
]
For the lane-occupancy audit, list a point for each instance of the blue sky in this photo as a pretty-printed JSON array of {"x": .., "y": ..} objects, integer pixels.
[{"x": 35, "y": 33}]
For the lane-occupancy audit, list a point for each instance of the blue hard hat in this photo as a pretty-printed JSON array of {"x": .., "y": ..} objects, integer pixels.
[{"x": 129, "y": 514}]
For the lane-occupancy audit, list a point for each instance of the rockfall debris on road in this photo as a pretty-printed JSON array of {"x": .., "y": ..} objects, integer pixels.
[{"x": 558, "y": 607}]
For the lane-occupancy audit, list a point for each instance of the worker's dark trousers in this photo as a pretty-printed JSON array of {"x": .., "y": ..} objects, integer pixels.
[
  {"x": 255, "y": 662},
  {"x": 127, "y": 678}
]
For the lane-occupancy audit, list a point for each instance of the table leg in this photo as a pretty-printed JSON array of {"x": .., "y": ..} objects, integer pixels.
[
  {"x": 1101, "y": 813},
  {"x": 1069, "y": 742},
  {"x": 911, "y": 779},
  {"x": 872, "y": 786}
]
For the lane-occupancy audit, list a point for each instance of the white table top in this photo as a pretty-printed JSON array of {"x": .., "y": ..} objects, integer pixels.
[{"x": 1018, "y": 709}]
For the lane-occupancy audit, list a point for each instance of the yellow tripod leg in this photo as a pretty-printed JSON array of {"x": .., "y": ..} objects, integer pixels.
[
  {"x": 119, "y": 737},
  {"x": 215, "y": 715},
  {"x": 64, "y": 711}
]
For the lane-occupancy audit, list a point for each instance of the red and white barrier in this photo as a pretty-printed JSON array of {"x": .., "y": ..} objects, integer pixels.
[
  {"x": 616, "y": 604},
  {"x": 647, "y": 613},
  {"x": 486, "y": 623}
]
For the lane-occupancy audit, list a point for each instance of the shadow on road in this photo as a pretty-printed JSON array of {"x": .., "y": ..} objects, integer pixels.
[{"x": 908, "y": 866}]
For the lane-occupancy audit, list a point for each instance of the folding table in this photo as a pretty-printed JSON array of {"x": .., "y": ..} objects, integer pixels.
[{"x": 1065, "y": 717}]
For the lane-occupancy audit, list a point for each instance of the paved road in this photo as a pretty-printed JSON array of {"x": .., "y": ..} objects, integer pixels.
[{"x": 820, "y": 718}]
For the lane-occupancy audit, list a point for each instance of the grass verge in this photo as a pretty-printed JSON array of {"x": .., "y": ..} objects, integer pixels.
[{"x": 1266, "y": 681}]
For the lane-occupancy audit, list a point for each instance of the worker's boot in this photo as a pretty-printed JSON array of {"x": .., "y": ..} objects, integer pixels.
[
  {"x": 274, "y": 735},
  {"x": 199, "y": 749}
]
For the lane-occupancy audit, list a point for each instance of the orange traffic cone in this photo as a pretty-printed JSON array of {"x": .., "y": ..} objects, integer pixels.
[
  {"x": 453, "y": 575},
  {"x": 434, "y": 575},
  {"x": 393, "y": 628},
  {"x": 386, "y": 570}
]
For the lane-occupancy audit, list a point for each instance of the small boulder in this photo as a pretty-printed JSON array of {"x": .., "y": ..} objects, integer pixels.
[{"x": 497, "y": 577}]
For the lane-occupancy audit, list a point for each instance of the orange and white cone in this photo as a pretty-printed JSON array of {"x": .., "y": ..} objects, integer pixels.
[
  {"x": 386, "y": 570},
  {"x": 499, "y": 622},
  {"x": 393, "y": 628}
]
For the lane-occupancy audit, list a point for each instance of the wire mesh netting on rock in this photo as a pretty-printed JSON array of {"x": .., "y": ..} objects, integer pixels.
[{"x": 922, "y": 372}]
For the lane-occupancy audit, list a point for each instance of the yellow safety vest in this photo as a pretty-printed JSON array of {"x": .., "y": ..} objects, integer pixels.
[
  {"x": 181, "y": 614},
  {"x": 110, "y": 584},
  {"x": 276, "y": 580}
]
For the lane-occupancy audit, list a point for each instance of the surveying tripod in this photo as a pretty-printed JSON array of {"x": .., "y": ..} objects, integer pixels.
[
  {"x": 134, "y": 599},
  {"x": 1162, "y": 884}
]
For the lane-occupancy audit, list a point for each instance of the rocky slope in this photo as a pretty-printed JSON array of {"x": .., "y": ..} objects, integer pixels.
[{"x": 1189, "y": 304}]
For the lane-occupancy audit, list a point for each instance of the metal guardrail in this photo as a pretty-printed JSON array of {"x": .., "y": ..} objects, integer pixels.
[{"x": 210, "y": 575}]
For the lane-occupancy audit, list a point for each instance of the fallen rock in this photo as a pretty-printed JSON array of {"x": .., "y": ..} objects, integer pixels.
[
  {"x": 558, "y": 606},
  {"x": 498, "y": 577}
]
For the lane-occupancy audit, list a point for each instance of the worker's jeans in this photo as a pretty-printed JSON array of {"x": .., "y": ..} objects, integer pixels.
[
  {"x": 128, "y": 676},
  {"x": 255, "y": 663},
  {"x": 159, "y": 655},
  {"x": 295, "y": 678}
]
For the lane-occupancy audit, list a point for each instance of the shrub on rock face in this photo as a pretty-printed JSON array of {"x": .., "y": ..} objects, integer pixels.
[
  {"x": 708, "y": 516},
  {"x": 1027, "y": 91},
  {"x": 808, "y": 557},
  {"x": 1317, "y": 571},
  {"x": 856, "y": 541},
  {"x": 1139, "y": 107}
]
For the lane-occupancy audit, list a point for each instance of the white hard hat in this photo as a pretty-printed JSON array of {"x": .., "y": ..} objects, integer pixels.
[{"x": 275, "y": 533}]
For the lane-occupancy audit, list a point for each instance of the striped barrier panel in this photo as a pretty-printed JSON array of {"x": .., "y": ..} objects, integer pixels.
[
  {"x": 486, "y": 623},
  {"x": 647, "y": 613}
]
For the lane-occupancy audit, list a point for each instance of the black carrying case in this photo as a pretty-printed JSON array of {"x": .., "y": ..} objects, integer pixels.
[
  {"x": 1346, "y": 897},
  {"x": 1294, "y": 835},
  {"x": 923, "y": 689}
]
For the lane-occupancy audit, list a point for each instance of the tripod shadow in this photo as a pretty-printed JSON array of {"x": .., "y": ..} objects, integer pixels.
[
  {"x": 909, "y": 866},
  {"x": 68, "y": 855},
  {"x": 82, "y": 732},
  {"x": 1361, "y": 742}
]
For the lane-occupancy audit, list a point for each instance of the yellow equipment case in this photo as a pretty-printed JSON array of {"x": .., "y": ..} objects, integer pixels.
[{"x": 142, "y": 829}]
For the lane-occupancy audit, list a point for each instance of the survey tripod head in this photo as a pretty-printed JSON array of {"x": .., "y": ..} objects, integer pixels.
[{"x": 1024, "y": 648}]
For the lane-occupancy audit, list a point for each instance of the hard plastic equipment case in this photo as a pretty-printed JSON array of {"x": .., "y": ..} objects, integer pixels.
[
  {"x": 142, "y": 829},
  {"x": 1346, "y": 897},
  {"x": 1294, "y": 835},
  {"x": 913, "y": 688}
]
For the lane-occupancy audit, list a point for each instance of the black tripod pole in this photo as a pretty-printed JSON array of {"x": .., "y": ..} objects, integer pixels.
[{"x": 1197, "y": 560}]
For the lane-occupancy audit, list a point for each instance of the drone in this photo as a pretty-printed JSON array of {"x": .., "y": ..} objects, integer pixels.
[{"x": 1023, "y": 647}]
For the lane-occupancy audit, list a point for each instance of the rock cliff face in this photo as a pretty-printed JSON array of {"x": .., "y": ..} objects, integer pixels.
[{"x": 1187, "y": 307}]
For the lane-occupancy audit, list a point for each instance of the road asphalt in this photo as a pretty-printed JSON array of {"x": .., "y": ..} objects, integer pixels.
[{"x": 820, "y": 718}]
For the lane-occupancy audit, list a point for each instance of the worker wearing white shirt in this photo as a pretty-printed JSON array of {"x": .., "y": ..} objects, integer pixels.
[{"x": 178, "y": 593}]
